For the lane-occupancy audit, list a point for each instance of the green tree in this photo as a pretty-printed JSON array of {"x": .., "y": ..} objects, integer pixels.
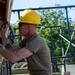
[{"x": 49, "y": 30}]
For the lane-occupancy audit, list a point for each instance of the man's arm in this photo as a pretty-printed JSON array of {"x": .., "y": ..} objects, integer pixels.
[
  {"x": 9, "y": 46},
  {"x": 14, "y": 57}
]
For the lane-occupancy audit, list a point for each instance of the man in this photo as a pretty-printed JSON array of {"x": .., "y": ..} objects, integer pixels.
[{"x": 32, "y": 47}]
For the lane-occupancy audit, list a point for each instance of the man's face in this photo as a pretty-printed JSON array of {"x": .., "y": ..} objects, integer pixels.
[{"x": 23, "y": 29}]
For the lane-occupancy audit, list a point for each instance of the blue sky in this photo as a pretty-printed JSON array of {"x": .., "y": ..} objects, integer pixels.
[{"x": 22, "y": 4}]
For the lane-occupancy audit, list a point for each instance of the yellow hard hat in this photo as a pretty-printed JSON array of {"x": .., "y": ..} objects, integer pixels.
[{"x": 30, "y": 16}]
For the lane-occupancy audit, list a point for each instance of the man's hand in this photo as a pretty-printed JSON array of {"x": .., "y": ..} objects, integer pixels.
[{"x": 3, "y": 30}]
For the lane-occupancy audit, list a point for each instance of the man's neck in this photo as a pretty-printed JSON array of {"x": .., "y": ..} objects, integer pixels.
[{"x": 30, "y": 35}]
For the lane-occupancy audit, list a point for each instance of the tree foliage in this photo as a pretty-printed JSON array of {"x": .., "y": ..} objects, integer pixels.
[{"x": 49, "y": 30}]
